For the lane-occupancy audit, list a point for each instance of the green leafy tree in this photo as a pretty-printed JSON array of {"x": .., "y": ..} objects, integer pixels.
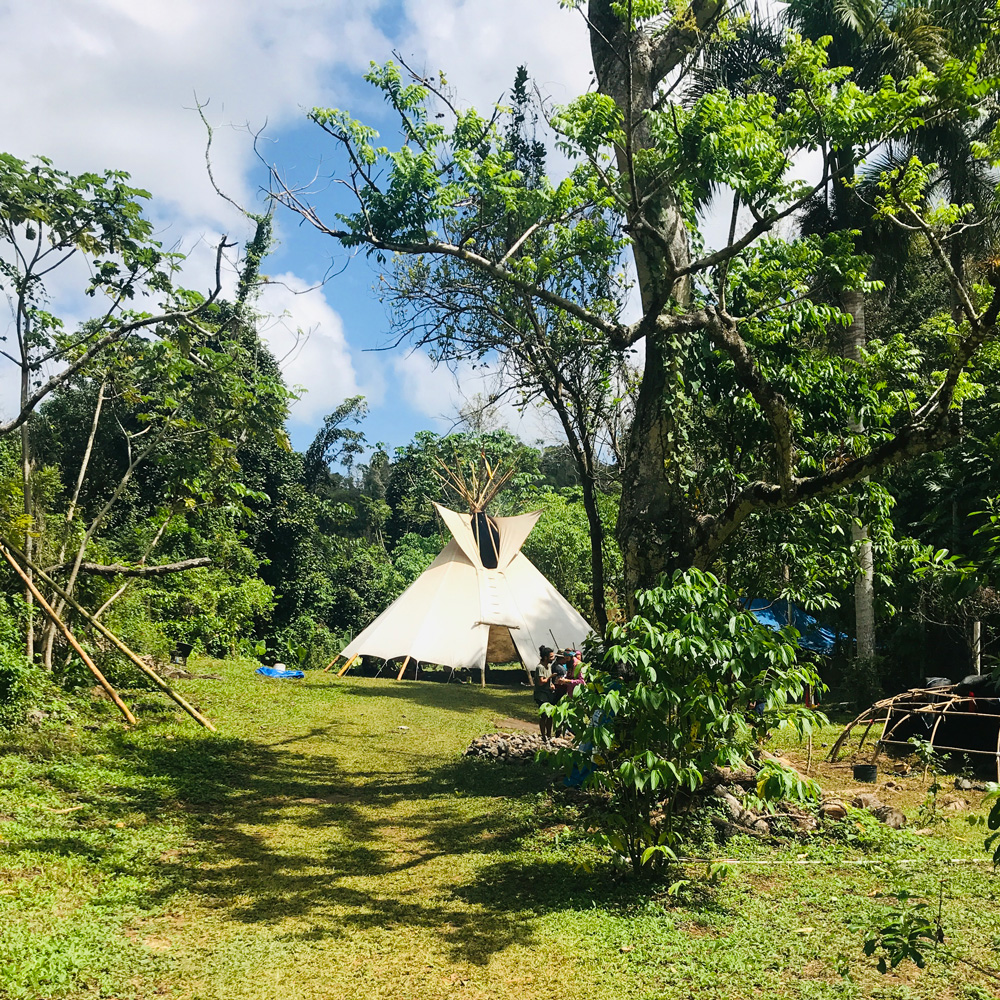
[
  {"x": 336, "y": 443},
  {"x": 544, "y": 357},
  {"x": 49, "y": 219},
  {"x": 738, "y": 326},
  {"x": 560, "y": 546},
  {"x": 147, "y": 437}
]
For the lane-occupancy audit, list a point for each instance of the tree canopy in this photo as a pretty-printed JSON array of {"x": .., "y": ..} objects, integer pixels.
[{"x": 735, "y": 336}]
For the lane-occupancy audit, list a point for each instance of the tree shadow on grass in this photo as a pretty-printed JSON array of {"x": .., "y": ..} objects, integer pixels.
[
  {"x": 547, "y": 884},
  {"x": 447, "y": 697},
  {"x": 279, "y": 836},
  {"x": 66, "y": 846}
]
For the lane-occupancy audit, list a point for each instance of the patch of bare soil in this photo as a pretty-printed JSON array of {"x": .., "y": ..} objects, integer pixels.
[{"x": 516, "y": 725}]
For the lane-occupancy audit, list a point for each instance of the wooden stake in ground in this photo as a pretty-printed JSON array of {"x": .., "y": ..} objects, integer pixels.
[
  {"x": 331, "y": 663},
  {"x": 347, "y": 666},
  {"x": 111, "y": 637},
  {"x": 70, "y": 638},
  {"x": 399, "y": 676}
]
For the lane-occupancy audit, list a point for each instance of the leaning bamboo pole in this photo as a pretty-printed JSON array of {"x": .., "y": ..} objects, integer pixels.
[
  {"x": 70, "y": 638},
  {"x": 109, "y": 635},
  {"x": 347, "y": 666}
]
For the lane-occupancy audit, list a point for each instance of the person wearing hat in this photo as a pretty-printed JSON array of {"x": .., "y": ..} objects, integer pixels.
[
  {"x": 565, "y": 667},
  {"x": 544, "y": 690}
]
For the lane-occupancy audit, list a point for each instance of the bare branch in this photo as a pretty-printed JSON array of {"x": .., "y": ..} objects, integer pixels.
[
  {"x": 118, "y": 569},
  {"x": 291, "y": 200}
]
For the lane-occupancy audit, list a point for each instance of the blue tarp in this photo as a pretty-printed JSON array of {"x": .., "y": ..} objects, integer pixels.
[
  {"x": 283, "y": 674},
  {"x": 813, "y": 636}
]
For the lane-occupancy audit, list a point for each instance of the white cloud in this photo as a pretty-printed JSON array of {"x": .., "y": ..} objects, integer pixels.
[
  {"x": 111, "y": 83},
  {"x": 440, "y": 394},
  {"x": 306, "y": 335},
  {"x": 432, "y": 391},
  {"x": 479, "y": 45}
]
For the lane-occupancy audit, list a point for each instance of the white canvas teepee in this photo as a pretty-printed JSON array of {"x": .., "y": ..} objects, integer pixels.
[{"x": 453, "y": 610}]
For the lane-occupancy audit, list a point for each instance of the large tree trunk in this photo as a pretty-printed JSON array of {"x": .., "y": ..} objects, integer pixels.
[
  {"x": 29, "y": 599},
  {"x": 654, "y": 524},
  {"x": 864, "y": 593},
  {"x": 599, "y": 583}
]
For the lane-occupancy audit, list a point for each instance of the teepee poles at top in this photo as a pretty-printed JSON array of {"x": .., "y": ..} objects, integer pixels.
[{"x": 478, "y": 487}]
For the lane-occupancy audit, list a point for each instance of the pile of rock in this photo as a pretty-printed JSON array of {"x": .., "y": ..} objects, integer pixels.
[
  {"x": 968, "y": 785},
  {"x": 511, "y": 748},
  {"x": 731, "y": 788},
  {"x": 834, "y": 808},
  {"x": 733, "y": 791}
]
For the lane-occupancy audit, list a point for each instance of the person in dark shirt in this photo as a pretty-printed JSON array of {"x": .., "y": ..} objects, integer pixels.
[{"x": 544, "y": 690}]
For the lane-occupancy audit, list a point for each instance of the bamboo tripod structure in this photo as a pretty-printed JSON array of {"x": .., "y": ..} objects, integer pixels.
[
  {"x": 924, "y": 703},
  {"x": 6, "y": 548},
  {"x": 70, "y": 638}
]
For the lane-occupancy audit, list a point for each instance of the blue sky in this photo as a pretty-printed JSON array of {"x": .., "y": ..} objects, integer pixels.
[{"x": 112, "y": 83}]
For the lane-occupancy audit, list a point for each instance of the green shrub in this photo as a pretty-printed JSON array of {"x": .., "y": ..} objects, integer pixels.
[
  {"x": 690, "y": 683},
  {"x": 306, "y": 644},
  {"x": 21, "y": 684},
  {"x": 208, "y": 608}
]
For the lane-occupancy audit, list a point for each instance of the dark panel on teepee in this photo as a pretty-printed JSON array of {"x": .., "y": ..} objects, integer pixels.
[
  {"x": 500, "y": 647},
  {"x": 487, "y": 534}
]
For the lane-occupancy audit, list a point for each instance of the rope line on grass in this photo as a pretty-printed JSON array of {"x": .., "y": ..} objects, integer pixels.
[{"x": 837, "y": 864}]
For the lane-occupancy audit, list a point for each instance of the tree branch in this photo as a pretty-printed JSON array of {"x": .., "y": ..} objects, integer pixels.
[
  {"x": 290, "y": 200},
  {"x": 111, "y": 337},
  {"x": 771, "y": 402},
  {"x": 670, "y": 47},
  {"x": 118, "y": 569},
  {"x": 913, "y": 439}
]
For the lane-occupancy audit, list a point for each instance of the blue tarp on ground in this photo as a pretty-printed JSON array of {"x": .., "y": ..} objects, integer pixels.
[
  {"x": 282, "y": 674},
  {"x": 774, "y": 614}
]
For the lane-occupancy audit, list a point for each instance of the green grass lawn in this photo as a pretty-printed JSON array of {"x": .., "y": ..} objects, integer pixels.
[{"x": 331, "y": 841}]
